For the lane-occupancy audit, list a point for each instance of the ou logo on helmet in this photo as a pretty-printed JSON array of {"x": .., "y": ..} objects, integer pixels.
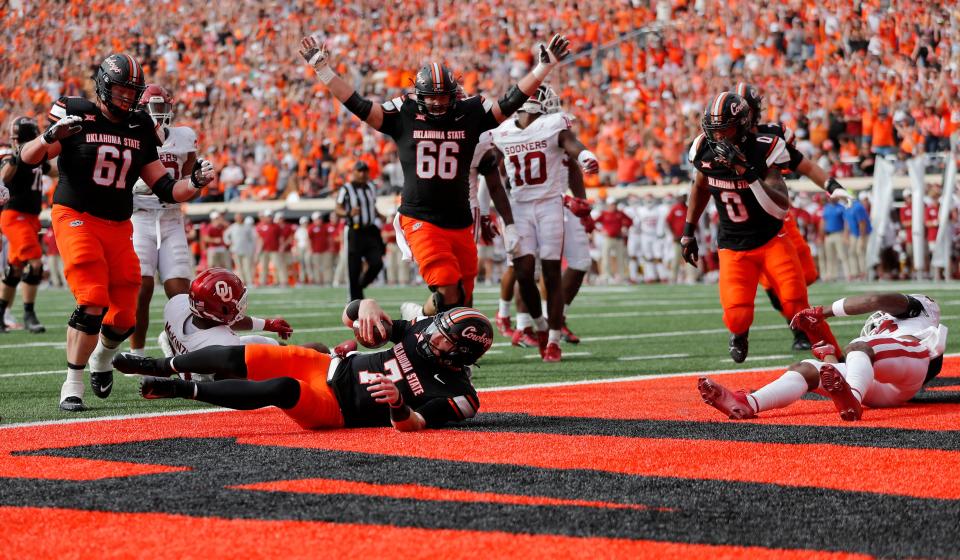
[{"x": 223, "y": 291}]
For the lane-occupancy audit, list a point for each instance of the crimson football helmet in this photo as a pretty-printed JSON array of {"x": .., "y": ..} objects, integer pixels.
[
  {"x": 219, "y": 295},
  {"x": 544, "y": 101},
  {"x": 436, "y": 90},
  {"x": 158, "y": 103},
  {"x": 457, "y": 338},
  {"x": 753, "y": 99},
  {"x": 23, "y": 130},
  {"x": 120, "y": 70}
]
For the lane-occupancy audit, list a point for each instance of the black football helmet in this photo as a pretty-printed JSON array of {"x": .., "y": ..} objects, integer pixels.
[
  {"x": 434, "y": 82},
  {"x": 23, "y": 130},
  {"x": 754, "y": 101},
  {"x": 726, "y": 121},
  {"x": 468, "y": 335},
  {"x": 120, "y": 70}
]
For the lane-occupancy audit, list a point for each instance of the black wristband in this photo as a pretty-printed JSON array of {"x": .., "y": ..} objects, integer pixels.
[
  {"x": 832, "y": 185},
  {"x": 689, "y": 230},
  {"x": 353, "y": 310},
  {"x": 163, "y": 188},
  {"x": 512, "y": 100},
  {"x": 359, "y": 106},
  {"x": 48, "y": 136},
  {"x": 400, "y": 412}
]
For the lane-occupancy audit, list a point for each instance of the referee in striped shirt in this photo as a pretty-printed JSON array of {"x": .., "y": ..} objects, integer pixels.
[{"x": 357, "y": 205}]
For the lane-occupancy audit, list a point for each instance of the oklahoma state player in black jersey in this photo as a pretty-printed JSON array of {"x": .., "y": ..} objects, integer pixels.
[
  {"x": 742, "y": 171},
  {"x": 103, "y": 147},
  {"x": 422, "y": 382},
  {"x": 436, "y": 135},
  {"x": 20, "y": 223},
  {"x": 802, "y": 165}
]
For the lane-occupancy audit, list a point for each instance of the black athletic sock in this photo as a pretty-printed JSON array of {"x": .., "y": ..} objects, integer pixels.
[
  {"x": 223, "y": 361},
  {"x": 281, "y": 392},
  {"x": 3, "y": 307},
  {"x": 28, "y": 307}
]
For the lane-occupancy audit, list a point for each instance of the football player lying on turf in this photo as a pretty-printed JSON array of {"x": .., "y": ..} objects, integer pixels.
[
  {"x": 899, "y": 350},
  {"x": 211, "y": 313},
  {"x": 422, "y": 382}
]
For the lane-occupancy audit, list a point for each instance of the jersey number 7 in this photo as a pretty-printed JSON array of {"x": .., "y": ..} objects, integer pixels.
[{"x": 367, "y": 377}]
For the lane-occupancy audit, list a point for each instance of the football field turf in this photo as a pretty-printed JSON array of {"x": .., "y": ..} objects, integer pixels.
[{"x": 629, "y": 468}]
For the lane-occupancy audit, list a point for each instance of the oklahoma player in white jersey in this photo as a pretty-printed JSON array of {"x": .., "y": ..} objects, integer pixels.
[
  {"x": 158, "y": 234},
  {"x": 899, "y": 350},
  {"x": 535, "y": 145},
  {"x": 643, "y": 238},
  {"x": 210, "y": 312}
]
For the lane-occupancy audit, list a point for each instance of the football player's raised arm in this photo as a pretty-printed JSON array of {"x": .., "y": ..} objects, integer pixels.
[
  {"x": 578, "y": 152},
  {"x": 548, "y": 56},
  {"x": 317, "y": 55},
  {"x": 490, "y": 167}
]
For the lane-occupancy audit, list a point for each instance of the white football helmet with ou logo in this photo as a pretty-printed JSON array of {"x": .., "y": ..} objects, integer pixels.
[{"x": 219, "y": 295}]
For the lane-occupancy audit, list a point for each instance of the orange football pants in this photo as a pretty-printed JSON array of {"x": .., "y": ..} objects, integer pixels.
[
  {"x": 445, "y": 256},
  {"x": 317, "y": 406},
  {"x": 740, "y": 272},
  {"x": 807, "y": 264},
  {"x": 99, "y": 262},
  {"x": 22, "y": 230}
]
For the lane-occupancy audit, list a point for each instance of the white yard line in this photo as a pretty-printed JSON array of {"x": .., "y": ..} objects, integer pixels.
[
  {"x": 653, "y": 357},
  {"x": 565, "y": 355}
]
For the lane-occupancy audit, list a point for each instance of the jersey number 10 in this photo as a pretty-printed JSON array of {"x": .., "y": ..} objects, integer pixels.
[{"x": 532, "y": 174}]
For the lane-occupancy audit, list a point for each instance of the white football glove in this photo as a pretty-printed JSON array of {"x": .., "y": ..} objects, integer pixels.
[
  {"x": 511, "y": 239},
  {"x": 67, "y": 126},
  {"x": 202, "y": 174},
  {"x": 317, "y": 55},
  {"x": 548, "y": 56},
  {"x": 588, "y": 162},
  {"x": 4, "y": 194},
  {"x": 842, "y": 196}
]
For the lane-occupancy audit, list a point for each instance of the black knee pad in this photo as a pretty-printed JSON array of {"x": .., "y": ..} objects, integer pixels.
[
  {"x": 11, "y": 276},
  {"x": 85, "y": 322},
  {"x": 33, "y": 275},
  {"x": 113, "y": 334}
]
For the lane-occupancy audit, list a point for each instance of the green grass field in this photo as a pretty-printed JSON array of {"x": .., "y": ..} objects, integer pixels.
[{"x": 626, "y": 331}]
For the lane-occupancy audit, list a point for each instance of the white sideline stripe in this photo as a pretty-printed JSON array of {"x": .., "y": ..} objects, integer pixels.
[
  {"x": 654, "y": 357},
  {"x": 485, "y": 390}
]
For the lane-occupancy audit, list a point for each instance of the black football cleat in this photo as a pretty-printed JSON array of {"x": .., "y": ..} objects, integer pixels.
[
  {"x": 102, "y": 383},
  {"x": 800, "y": 341},
  {"x": 126, "y": 362},
  {"x": 32, "y": 324},
  {"x": 158, "y": 387},
  {"x": 72, "y": 404},
  {"x": 739, "y": 345},
  {"x": 3, "y": 327}
]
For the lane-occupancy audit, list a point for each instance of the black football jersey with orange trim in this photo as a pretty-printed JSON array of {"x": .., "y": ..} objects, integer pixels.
[
  {"x": 435, "y": 156},
  {"x": 746, "y": 221},
  {"x": 26, "y": 187},
  {"x": 100, "y": 164},
  {"x": 439, "y": 394},
  {"x": 784, "y": 132}
]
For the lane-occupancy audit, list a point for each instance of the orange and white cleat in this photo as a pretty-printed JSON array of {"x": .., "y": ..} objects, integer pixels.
[
  {"x": 733, "y": 404},
  {"x": 552, "y": 352},
  {"x": 840, "y": 393}
]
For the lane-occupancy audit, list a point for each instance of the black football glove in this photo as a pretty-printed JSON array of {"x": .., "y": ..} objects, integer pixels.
[{"x": 690, "y": 250}]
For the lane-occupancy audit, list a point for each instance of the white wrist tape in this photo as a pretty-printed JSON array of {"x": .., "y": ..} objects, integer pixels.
[
  {"x": 837, "y": 308},
  {"x": 540, "y": 71},
  {"x": 325, "y": 73},
  {"x": 257, "y": 324},
  {"x": 585, "y": 156}
]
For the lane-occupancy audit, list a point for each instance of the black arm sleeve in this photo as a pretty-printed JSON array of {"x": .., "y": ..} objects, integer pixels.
[
  {"x": 359, "y": 106},
  {"x": 795, "y": 157},
  {"x": 439, "y": 411},
  {"x": 163, "y": 188},
  {"x": 398, "y": 329},
  {"x": 914, "y": 309},
  {"x": 512, "y": 100}
]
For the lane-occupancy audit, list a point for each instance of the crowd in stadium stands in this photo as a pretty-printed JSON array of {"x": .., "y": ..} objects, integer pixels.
[{"x": 854, "y": 79}]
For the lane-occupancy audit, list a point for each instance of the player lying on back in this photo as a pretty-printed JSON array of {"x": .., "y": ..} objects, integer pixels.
[
  {"x": 422, "y": 382},
  {"x": 899, "y": 350}
]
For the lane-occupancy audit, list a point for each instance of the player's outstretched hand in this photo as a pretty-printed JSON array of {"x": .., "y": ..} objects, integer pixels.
[
  {"x": 372, "y": 317},
  {"x": 279, "y": 326},
  {"x": 314, "y": 52},
  {"x": 690, "y": 250},
  {"x": 65, "y": 127},
  {"x": 549, "y": 55},
  {"x": 808, "y": 320},
  {"x": 488, "y": 229},
  {"x": 385, "y": 391}
]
